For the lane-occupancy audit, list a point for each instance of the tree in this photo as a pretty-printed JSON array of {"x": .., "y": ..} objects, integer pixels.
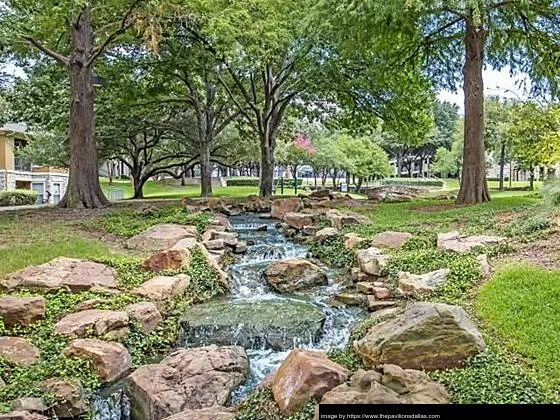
[
  {"x": 535, "y": 135},
  {"x": 296, "y": 153},
  {"x": 497, "y": 114},
  {"x": 74, "y": 34},
  {"x": 454, "y": 40}
]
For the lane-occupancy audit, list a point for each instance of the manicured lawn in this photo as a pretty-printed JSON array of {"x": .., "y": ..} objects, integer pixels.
[
  {"x": 522, "y": 304},
  {"x": 454, "y": 184}
]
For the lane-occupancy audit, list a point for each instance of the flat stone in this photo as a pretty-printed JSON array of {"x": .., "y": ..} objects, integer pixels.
[
  {"x": 271, "y": 324},
  {"x": 169, "y": 259},
  {"x": 229, "y": 238},
  {"x": 426, "y": 336},
  {"x": 110, "y": 361},
  {"x": 186, "y": 243},
  {"x": 221, "y": 221},
  {"x": 288, "y": 276},
  {"x": 298, "y": 220},
  {"x": 381, "y": 293},
  {"x": 212, "y": 413},
  {"x": 376, "y": 305},
  {"x": 241, "y": 247},
  {"x": 372, "y": 261},
  {"x": 352, "y": 298},
  {"x": 353, "y": 240},
  {"x": 30, "y": 404},
  {"x": 326, "y": 233},
  {"x": 146, "y": 314},
  {"x": 89, "y": 304},
  {"x": 365, "y": 287},
  {"x": 390, "y": 239},
  {"x": 101, "y": 323},
  {"x": 188, "y": 379},
  {"x": 280, "y": 207},
  {"x": 71, "y": 274},
  {"x": 161, "y": 237},
  {"x": 455, "y": 241},
  {"x": 21, "y": 311},
  {"x": 214, "y": 244},
  {"x": 18, "y": 350},
  {"x": 163, "y": 288},
  {"x": 424, "y": 283},
  {"x": 340, "y": 219},
  {"x": 22, "y": 415}
]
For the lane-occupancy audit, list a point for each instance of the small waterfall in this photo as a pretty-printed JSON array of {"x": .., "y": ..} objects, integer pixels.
[{"x": 111, "y": 404}]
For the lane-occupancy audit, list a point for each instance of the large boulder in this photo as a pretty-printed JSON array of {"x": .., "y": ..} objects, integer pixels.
[
  {"x": 212, "y": 413},
  {"x": 340, "y": 219},
  {"x": 30, "y": 404},
  {"x": 19, "y": 351},
  {"x": 280, "y": 207},
  {"x": 101, "y": 323},
  {"x": 221, "y": 221},
  {"x": 425, "y": 336},
  {"x": 372, "y": 261},
  {"x": 110, "y": 361},
  {"x": 21, "y": 311},
  {"x": 305, "y": 376},
  {"x": 288, "y": 276},
  {"x": 255, "y": 204},
  {"x": 72, "y": 274},
  {"x": 22, "y": 415},
  {"x": 163, "y": 289},
  {"x": 299, "y": 220},
  {"x": 326, "y": 233},
  {"x": 68, "y": 397},
  {"x": 161, "y": 237},
  {"x": 455, "y": 241},
  {"x": 169, "y": 259},
  {"x": 188, "y": 379},
  {"x": 146, "y": 314},
  {"x": 391, "y": 385},
  {"x": 390, "y": 239},
  {"x": 423, "y": 283},
  {"x": 273, "y": 324},
  {"x": 393, "y": 193}
]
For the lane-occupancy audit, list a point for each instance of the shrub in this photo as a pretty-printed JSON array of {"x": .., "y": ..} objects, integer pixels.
[
  {"x": 551, "y": 193},
  {"x": 18, "y": 198},
  {"x": 528, "y": 226},
  {"x": 413, "y": 182},
  {"x": 243, "y": 182}
]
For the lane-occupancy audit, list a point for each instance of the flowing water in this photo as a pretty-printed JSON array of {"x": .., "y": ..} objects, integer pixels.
[{"x": 266, "y": 245}]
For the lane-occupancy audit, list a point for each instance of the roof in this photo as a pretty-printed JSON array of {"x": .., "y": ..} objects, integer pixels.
[{"x": 16, "y": 130}]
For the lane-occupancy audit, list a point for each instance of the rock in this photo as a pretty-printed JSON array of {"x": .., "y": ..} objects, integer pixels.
[
  {"x": 188, "y": 379},
  {"x": 101, "y": 323},
  {"x": 358, "y": 276},
  {"x": 299, "y": 220},
  {"x": 161, "y": 237},
  {"x": 381, "y": 292},
  {"x": 353, "y": 240},
  {"x": 170, "y": 259},
  {"x": 485, "y": 266},
  {"x": 240, "y": 248},
  {"x": 462, "y": 244},
  {"x": 262, "y": 228},
  {"x": 110, "y": 361},
  {"x": 280, "y": 207},
  {"x": 222, "y": 275},
  {"x": 423, "y": 283},
  {"x": 392, "y": 385},
  {"x": 339, "y": 219},
  {"x": 390, "y": 239},
  {"x": 393, "y": 193},
  {"x": 305, "y": 376},
  {"x": 186, "y": 244},
  {"x": 30, "y": 404},
  {"x": 372, "y": 261},
  {"x": 146, "y": 314},
  {"x": 190, "y": 205},
  {"x": 18, "y": 350},
  {"x": 322, "y": 193},
  {"x": 326, "y": 233},
  {"x": 163, "y": 289},
  {"x": 2, "y": 384},
  {"x": 288, "y": 276},
  {"x": 72, "y": 274},
  {"x": 376, "y": 305},
  {"x": 22, "y": 415},
  {"x": 425, "y": 336},
  {"x": 228, "y": 238},
  {"x": 21, "y": 311},
  {"x": 352, "y": 298},
  {"x": 214, "y": 244},
  {"x": 255, "y": 204},
  {"x": 212, "y": 413},
  {"x": 317, "y": 204},
  {"x": 68, "y": 396},
  {"x": 271, "y": 324},
  {"x": 365, "y": 287},
  {"x": 89, "y": 304},
  {"x": 220, "y": 220}
]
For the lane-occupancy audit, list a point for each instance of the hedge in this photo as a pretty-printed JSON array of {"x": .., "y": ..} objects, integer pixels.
[
  {"x": 254, "y": 182},
  {"x": 18, "y": 198},
  {"x": 413, "y": 182}
]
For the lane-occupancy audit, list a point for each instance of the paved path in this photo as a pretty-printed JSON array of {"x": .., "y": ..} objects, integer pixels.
[{"x": 31, "y": 207}]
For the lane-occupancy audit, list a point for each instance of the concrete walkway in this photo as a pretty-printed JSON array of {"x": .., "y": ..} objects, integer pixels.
[{"x": 31, "y": 207}]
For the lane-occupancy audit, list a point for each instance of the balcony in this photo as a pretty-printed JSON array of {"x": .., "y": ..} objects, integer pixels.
[{"x": 22, "y": 165}]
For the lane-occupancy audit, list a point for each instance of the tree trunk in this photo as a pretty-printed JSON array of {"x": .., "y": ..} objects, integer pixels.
[
  {"x": 267, "y": 166},
  {"x": 84, "y": 189},
  {"x": 183, "y": 177},
  {"x": 502, "y": 164},
  {"x": 139, "y": 189},
  {"x": 474, "y": 188},
  {"x": 399, "y": 165},
  {"x": 205, "y": 170},
  {"x": 531, "y": 178}
]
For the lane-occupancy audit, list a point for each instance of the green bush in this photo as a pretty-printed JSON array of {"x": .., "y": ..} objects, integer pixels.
[
  {"x": 18, "y": 198},
  {"x": 551, "y": 193},
  {"x": 243, "y": 182},
  {"x": 528, "y": 226}
]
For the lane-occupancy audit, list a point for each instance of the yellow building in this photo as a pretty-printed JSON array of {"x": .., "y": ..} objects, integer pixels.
[{"x": 16, "y": 173}]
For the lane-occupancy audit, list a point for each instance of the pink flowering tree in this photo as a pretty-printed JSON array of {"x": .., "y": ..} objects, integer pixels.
[{"x": 296, "y": 153}]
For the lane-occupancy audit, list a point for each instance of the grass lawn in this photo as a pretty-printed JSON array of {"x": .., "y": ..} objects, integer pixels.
[{"x": 522, "y": 304}]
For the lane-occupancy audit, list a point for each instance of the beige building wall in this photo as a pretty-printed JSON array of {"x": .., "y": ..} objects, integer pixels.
[{"x": 6, "y": 152}]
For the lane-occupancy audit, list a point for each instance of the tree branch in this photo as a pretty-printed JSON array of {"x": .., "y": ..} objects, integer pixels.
[{"x": 51, "y": 53}]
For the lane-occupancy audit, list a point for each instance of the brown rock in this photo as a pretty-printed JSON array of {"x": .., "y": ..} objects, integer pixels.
[
  {"x": 170, "y": 259},
  {"x": 373, "y": 262},
  {"x": 280, "y": 207},
  {"x": 339, "y": 219},
  {"x": 101, "y": 323},
  {"x": 454, "y": 241},
  {"x": 18, "y": 350},
  {"x": 22, "y": 415},
  {"x": 423, "y": 283},
  {"x": 305, "y": 376},
  {"x": 287, "y": 276},
  {"x": 228, "y": 238},
  {"x": 352, "y": 298},
  {"x": 163, "y": 289},
  {"x": 212, "y": 413},
  {"x": 255, "y": 204},
  {"x": 390, "y": 239},
  {"x": 89, "y": 304},
  {"x": 110, "y": 361},
  {"x": 68, "y": 396},
  {"x": 222, "y": 275},
  {"x": 161, "y": 237},
  {"x": 30, "y": 404},
  {"x": 299, "y": 220},
  {"x": 72, "y": 274},
  {"x": 222, "y": 221},
  {"x": 365, "y": 287},
  {"x": 381, "y": 293},
  {"x": 214, "y": 244},
  {"x": 189, "y": 379},
  {"x": 21, "y": 311},
  {"x": 146, "y": 314},
  {"x": 393, "y": 193},
  {"x": 326, "y": 233},
  {"x": 241, "y": 247},
  {"x": 353, "y": 240},
  {"x": 376, "y": 305},
  {"x": 186, "y": 244}
]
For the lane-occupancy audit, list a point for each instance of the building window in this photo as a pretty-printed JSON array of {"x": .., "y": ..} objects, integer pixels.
[{"x": 40, "y": 188}]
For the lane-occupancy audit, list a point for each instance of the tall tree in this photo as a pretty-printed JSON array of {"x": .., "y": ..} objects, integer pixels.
[
  {"x": 74, "y": 33},
  {"x": 497, "y": 115},
  {"x": 454, "y": 40}
]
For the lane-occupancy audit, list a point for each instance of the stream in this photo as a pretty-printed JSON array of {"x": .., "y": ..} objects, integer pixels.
[{"x": 250, "y": 291}]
